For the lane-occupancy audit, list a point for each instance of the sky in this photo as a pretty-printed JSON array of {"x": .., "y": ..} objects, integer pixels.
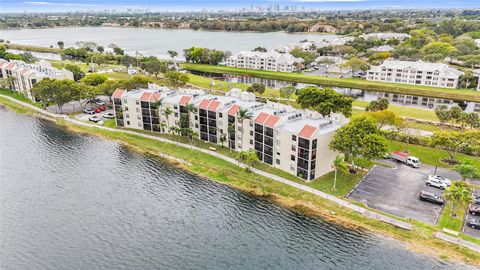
[{"x": 181, "y": 5}]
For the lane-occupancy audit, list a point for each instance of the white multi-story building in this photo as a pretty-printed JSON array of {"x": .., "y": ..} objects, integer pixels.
[
  {"x": 292, "y": 140},
  {"x": 385, "y": 36},
  {"x": 272, "y": 61},
  {"x": 22, "y": 76},
  {"x": 420, "y": 73}
]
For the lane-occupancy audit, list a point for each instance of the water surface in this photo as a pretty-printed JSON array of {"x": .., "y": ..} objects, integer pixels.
[{"x": 71, "y": 201}]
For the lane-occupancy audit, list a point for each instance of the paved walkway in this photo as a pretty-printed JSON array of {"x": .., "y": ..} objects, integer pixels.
[{"x": 342, "y": 203}]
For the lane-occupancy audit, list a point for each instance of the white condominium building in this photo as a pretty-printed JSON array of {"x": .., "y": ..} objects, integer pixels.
[
  {"x": 21, "y": 76},
  {"x": 272, "y": 61},
  {"x": 292, "y": 140},
  {"x": 421, "y": 73},
  {"x": 385, "y": 36}
]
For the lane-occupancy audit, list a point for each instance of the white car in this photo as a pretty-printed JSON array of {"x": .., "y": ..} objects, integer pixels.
[
  {"x": 438, "y": 182},
  {"x": 440, "y": 178},
  {"x": 95, "y": 119},
  {"x": 108, "y": 115}
]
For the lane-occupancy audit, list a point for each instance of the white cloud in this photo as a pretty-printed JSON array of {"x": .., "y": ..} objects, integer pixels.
[{"x": 39, "y": 3}]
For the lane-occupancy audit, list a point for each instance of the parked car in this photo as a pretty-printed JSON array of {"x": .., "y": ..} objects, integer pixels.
[
  {"x": 474, "y": 210},
  {"x": 473, "y": 223},
  {"x": 88, "y": 111},
  {"x": 476, "y": 199},
  {"x": 97, "y": 110},
  {"x": 431, "y": 197},
  {"x": 102, "y": 107},
  {"x": 94, "y": 119},
  {"x": 109, "y": 115},
  {"x": 437, "y": 182},
  {"x": 100, "y": 102},
  {"x": 439, "y": 178}
]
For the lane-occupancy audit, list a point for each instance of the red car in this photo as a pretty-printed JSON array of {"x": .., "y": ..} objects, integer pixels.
[
  {"x": 102, "y": 107},
  {"x": 97, "y": 110}
]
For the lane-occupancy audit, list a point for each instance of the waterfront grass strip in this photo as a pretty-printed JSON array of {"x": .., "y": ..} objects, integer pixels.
[{"x": 405, "y": 89}]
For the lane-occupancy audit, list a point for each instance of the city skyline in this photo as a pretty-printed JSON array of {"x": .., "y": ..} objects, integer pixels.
[{"x": 192, "y": 5}]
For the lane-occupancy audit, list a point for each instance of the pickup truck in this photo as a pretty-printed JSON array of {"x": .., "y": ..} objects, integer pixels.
[{"x": 405, "y": 158}]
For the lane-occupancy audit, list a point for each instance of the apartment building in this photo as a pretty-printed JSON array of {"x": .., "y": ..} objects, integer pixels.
[
  {"x": 295, "y": 141},
  {"x": 420, "y": 73},
  {"x": 21, "y": 76},
  {"x": 272, "y": 61},
  {"x": 385, "y": 36}
]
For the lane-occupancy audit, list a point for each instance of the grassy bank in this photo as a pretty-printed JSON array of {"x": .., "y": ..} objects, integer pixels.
[
  {"x": 32, "y": 48},
  {"x": 419, "y": 239},
  {"x": 453, "y": 223},
  {"x": 405, "y": 89},
  {"x": 19, "y": 96}
]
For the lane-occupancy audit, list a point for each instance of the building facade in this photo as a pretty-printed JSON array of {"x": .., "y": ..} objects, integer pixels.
[
  {"x": 272, "y": 61},
  {"x": 295, "y": 141},
  {"x": 21, "y": 76},
  {"x": 420, "y": 73}
]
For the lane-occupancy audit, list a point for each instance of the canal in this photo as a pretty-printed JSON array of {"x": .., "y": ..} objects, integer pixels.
[{"x": 72, "y": 201}]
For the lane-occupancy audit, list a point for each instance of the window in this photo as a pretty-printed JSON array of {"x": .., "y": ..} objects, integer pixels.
[
  {"x": 137, "y": 102},
  {"x": 251, "y": 132},
  {"x": 138, "y": 110},
  {"x": 251, "y": 142},
  {"x": 176, "y": 114},
  {"x": 128, "y": 123},
  {"x": 294, "y": 138},
  {"x": 139, "y": 118},
  {"x": 220, "y": 115},
  {"x": 126, "y": 108},
  {"x": 127, "y": 115},
  {"x": 292, "y": 157},
  {"x": 175, "y": 107},
  {"x": 277, "y": 161},
  {"x": 294, "y": 148},
  {"x": 292, "y": 167},
  {"x": 278, "y": 142},
  {"x": 196, "y": 117}
]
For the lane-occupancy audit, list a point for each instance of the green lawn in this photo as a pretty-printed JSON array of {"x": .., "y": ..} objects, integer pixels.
[
  {"x": 453, "y": 223},
  {"x": 19, "y": 96},
  {"x": 109, "y": 123},
  {"x": 460, "y": 94},
  {"x": 32, "y": 48},
  {"x": 404, "y": 111},
  {"x": 429, "y": 155},
  {"x": 345, "y": 183}
]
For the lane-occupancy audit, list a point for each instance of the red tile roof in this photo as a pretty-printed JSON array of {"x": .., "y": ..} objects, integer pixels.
[
  {"x": 185, "y": 100},
  {"x": 118, "y": 93},
  {"x": 307, "y": 131},
  {"x": 145, "y": 96},
  {"x": 24, "y": 71},
  {"x": 204, "y": 104},
  {"x": 261, "y": 118},
  {"x": 271, "y": 121},
  {"x": 234, "y": 109},
  {"x": 11, "y": 66},
  {"x": 2, "y": 64},
  {"x": 213, "y": 105},
  {"x": 155, "y": 96}
]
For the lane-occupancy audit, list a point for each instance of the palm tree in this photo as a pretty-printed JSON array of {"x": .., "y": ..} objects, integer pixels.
[
  {"x": 242, "y": 115},
  {"x": 168, "y": 111},
  {"x": 190, "y": 109},
  {"x": 11, "y": 81},
  {"x": 338, "y": 164},
  {"x": 467, "y": 169},
  {"x": 223, "y": 138},
  {"x": 172, "y": 54},
  {"x": 457, "y": 194},
  {"x": 158, "y": 105}
]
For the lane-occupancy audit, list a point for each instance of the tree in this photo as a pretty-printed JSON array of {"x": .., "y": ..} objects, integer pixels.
[
  {"x": 94, "y": 79},
  {"x": 385, "y": 117},
  {"x": 223, "y": 138},
  {"x": 78, "y": 74},
  {"x": 118, "y": 51},
  {"x": 250, "y": 157},
  {"x": 360, "y": 137},
  {"x": 256, "y": 88},
  {"x": 453, "y": 141},
  {"x": 307, "y": 56},
  {"x": 260, "y": 49},
  {"x": 242, "y": 115},
  {"x": 356, "y": 64},
  {"x": 442, "y": 113},
  {"x": 172, "y": 54},
  {"x": 473, "y": 119},
  {"x": 339, "y": 164},
  {"x": 287, "y": 92},
  {"x": 60, "y": 44},
  {"x": 168, "y": 111},
  {"x": 154, "y": 66},
  {"x": 100, "y": 49},
  {"x": 458, "y": 194},
  {"x": 455, "y": 113},
  {"x": 175, "y": 78},
  {"x": 467, "y": 78},
  {"x": 377, "y": 105},
  {"x": 54, "y": 91},
  {"x": 442, "y": 49},
  {"x": 136, "y": 82},
  {"x": 467, "y": 169},
  {"x": 325, "y": 101}
]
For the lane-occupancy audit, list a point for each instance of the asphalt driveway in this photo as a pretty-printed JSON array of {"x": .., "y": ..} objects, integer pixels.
[{"x": 395, "y": 190}]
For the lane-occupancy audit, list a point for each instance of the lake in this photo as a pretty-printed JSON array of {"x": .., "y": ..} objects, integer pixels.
[
  {"x": 157, "y": 41},
  {"x": 72, "y": 201}
]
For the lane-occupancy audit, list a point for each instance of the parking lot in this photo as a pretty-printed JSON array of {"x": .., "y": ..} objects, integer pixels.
[
  {"x": 396, "y": 190},
  {"x": 84, "y": 117},
  {"x": 467, "y": 230}
]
